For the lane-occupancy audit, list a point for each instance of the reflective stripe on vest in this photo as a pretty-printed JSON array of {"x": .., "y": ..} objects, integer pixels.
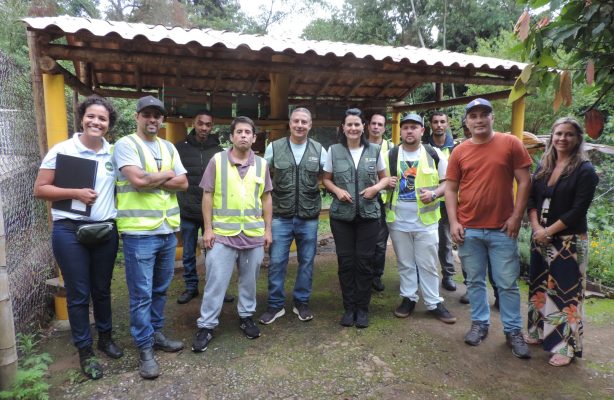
[
  {"x": 427, "y": 177},
  {"x": 147, "y": 209},
  {"x": 234, "y": 210}
]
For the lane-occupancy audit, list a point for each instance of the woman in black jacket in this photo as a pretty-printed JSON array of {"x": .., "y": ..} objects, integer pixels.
[{"x": 562, "y": 190}]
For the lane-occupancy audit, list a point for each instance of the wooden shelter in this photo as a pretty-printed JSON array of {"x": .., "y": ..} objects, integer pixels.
[{"x": 238, "y": 74}]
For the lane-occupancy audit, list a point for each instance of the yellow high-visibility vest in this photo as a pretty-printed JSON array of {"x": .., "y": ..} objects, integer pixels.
[
  {"x": 147, "y": 209},
  {"x": 427, "y": 177},
  {"x": 237, "y": 204}
]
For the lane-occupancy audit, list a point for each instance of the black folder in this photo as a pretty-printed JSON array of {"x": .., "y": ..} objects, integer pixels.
[{"x": 74, "y": 173}]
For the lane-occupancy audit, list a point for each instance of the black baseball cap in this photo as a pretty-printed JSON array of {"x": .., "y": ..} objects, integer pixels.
[{"x": 150, "y": 101}]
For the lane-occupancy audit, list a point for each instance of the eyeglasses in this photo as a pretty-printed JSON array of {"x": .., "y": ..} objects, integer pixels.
[{"x": 353, "y": 111}]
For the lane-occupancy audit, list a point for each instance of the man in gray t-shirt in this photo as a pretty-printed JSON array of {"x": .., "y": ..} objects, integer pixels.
[{"x": 149, "y": 174}]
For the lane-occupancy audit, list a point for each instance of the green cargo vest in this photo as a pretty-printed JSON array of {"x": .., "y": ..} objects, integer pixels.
[
  {"x": 355, "y": 180},
  {"x": 296, "y": 190}
]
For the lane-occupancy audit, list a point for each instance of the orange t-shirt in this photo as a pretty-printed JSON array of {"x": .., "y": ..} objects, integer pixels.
[{"x": 485, "y": 173}]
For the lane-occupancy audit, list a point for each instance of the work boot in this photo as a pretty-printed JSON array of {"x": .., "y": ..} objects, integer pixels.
[
  {"x": 108, "y": 346},
  {"x": 377, "y": 284},
  {"x": 448, "y": 283},
  {"x": 89, "y": 363},
  {"x": 186, "y": 296},
  {"x": 161, "y": 342},
  {"x": 148, "y": 366}
]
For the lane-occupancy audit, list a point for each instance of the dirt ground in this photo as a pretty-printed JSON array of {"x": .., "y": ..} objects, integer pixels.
[{"x": 414, "y": 358}]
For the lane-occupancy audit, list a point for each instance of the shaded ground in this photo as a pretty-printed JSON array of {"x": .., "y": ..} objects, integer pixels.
[{"x": 414, "y": 358}]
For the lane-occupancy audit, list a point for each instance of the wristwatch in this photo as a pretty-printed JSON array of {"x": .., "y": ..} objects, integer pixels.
[{"x": 434, "y": 196}]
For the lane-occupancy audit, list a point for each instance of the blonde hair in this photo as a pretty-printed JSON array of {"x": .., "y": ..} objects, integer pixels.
[{"x": 550, "y": 156}]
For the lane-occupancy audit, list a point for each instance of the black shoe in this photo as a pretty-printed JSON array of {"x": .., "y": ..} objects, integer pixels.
[
  {"x": 228, "y": 298},
  {"x": 496, "y": 304},
  {"x": 161, "y": 342},
  {"x": 347, "y": 319},
  {"x": 448, "y": 283},
  {"x": 89, "y": 363},
  {"x": 202, "y": 339},
  {"x": 464, "y": 299},
  {"x": 186, "y": 296},
  {"x": 108, "y": 346},
  {"x": 442, "y": 314},
  {"x": 303, "y": 312},
  {"x": 476, "y": 334},
  {"x": 377, "y": 284},
  {"x": 362, "y": 319},
  {"x": 271, "y": 314},
  {"x": 519, "y": 347},
  {"x": 148, "y": 366},
  {"x": 405, "y": 308},
  {"x": 249, "y": 328}
]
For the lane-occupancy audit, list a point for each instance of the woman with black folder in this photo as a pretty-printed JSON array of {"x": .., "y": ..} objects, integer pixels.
[{"x": 84, "y": 237}]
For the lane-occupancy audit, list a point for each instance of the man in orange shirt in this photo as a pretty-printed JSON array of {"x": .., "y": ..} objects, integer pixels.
[{"x": 484, "y": 220}]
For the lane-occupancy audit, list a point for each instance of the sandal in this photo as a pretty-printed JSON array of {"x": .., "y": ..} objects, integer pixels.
[
  {"x": 560, "y": 360},
  {"x": 531, "y": 340}
]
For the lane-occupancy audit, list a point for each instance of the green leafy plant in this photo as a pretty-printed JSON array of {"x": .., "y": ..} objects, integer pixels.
[{"x": 29, "y": 382}]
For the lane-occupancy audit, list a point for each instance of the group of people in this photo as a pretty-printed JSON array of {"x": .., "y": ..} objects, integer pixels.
[{"x": 245, "y": 205}]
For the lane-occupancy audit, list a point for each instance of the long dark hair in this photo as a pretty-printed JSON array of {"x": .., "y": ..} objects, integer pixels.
[
  {"x": 341, "y": 135},
  {"x": 577, "y": 157},
  {"x": 100, "y": 101}
]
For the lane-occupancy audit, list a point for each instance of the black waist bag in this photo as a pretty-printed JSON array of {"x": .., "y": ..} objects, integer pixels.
[{"x": 97, "y": 232}]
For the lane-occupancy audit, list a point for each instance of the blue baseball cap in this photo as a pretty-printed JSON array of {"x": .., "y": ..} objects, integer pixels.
[
  {"x": 479, "y": 102},
  {"x": 412, "y": 118}
]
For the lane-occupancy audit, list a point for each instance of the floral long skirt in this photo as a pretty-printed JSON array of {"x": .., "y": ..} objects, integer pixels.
[{"x": 556, "y": 293}]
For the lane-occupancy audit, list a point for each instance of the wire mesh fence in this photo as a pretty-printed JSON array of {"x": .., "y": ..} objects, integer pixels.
[{"x": 28, "y": 244}]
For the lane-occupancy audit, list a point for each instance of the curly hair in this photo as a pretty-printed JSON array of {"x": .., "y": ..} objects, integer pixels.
[
  {"x": 550, "y": 156},
  {"x": 100, "y": 101}
]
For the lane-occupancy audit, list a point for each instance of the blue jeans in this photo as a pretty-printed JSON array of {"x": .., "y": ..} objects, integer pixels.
[
  {"x": 479, "y": 247},
  {"x": 150, "y": 260},
  {"x": 284, "y": 230},
  {"x": 87, "y": 271},
  {"x": 189, "y": 235}
]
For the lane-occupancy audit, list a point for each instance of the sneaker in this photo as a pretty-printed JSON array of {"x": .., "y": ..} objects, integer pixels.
[
  {"x": 347, "y": 319},
  {"x": 303, "y": 312},
  {"x": 202, "y": 339},
  {"x": 515, "y": 340},
  {"x": 186, "y": 296},
  {"x": 228, "y": 298},
  {"x": 271, "y": 314},
  {"x": 476, "y": 334},
  {"x": 163, "y": 343},
  {"x": 249, "y": 328},
  {"x": 362, "y": 319},
  {"x": 464, "y": 299},
  {"x": 377, "y": 284},
  {"x": 405, "y": 308},
  {"x": 448, "y": 283},
  {"x": 442, "y": 314}
]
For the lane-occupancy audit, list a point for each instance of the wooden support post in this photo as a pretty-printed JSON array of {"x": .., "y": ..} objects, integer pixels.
[
  {"x": 37, "y": 93},
  {"x": 57, "y": 131},
  {"x": 8, "y": 348},
  {"x": 396, "y": 129},
  {"x": 280, "y": 85},
  {"x": 175, "y": 131}
]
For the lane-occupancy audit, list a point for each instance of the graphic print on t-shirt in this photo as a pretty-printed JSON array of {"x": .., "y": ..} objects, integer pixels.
[{"x": 407, "y": 188}]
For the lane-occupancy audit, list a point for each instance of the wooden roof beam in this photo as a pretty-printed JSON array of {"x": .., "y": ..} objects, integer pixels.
[
  {"x": 355, "y": 88},
  {"x": 409, "y": 73},
  {"x": 50, "y": 66},
  {"x": 451, "y": 102}
]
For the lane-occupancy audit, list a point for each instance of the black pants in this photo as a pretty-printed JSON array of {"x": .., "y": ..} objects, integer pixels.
[
  {"x": 379, "y": 259},
  {"x": 355, "y": 244}
]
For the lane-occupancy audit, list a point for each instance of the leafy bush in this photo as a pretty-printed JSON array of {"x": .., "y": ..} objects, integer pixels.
[{"x": 29, "y": 381}]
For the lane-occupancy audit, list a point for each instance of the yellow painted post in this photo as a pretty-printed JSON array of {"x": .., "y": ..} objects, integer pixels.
[
  {"x": 396, "y": 129},
  {"x": 55, "y": 109},
  {"x": 57, "y": 131},
  {"x": 175, "y": 131},
  {"x": 518, "y": 108}
]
